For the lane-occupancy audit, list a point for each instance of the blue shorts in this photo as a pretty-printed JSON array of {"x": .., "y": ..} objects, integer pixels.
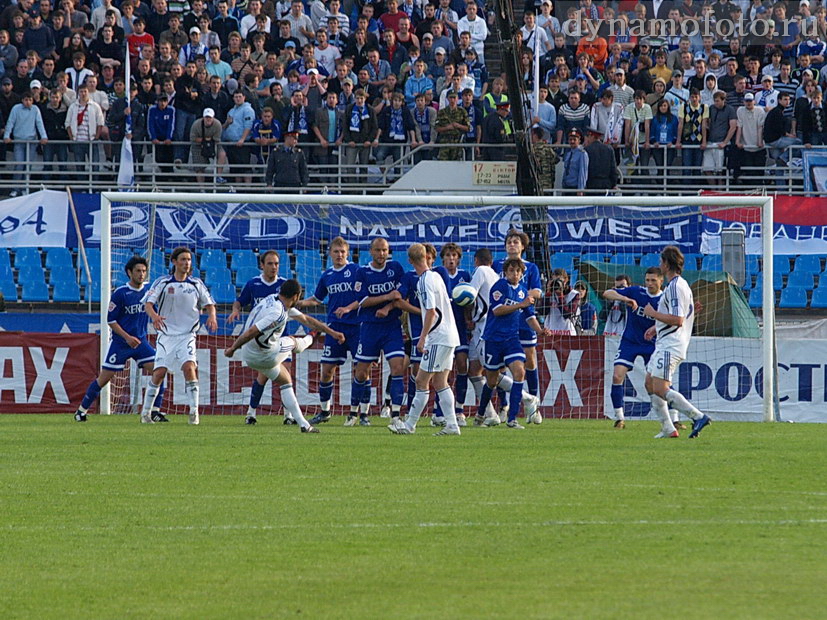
[
  {"x": 119, "y": 352},
  {"x": 528, "y": 337},
  {"x": 627, "y": 353},
  {"x": 376, "y": 338},
  {"x": 335, "y": 353},
  {"x": 415, "y": 355},
  {"x": 499, "y": 353},
  {"x": 463, "y": 339}
]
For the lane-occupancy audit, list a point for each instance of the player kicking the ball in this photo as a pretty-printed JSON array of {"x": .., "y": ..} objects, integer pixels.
[
  {"x": 436, "y": 344},
  {"x": 674, "y": 319},
  {"x": 174, "y": 303},
  {"x": 128, "y": 321},
  {"x": 509, "y": 306},
  {"x": 263, "y": 348}
]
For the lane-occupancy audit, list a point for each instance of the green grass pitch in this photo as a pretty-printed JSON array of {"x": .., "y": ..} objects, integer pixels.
[{"x": 572, "y": 519}]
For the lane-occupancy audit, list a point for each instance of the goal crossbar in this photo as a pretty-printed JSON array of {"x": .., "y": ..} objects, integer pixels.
[{"x": 765, "y": 203}]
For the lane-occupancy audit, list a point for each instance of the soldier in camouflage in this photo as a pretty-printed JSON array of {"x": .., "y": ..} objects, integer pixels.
[
  {"x": 546, "y": 158},
  {"x": 451, "y": 124}
]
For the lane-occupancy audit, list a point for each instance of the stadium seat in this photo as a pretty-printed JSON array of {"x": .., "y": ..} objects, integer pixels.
[
  {"x": 8, "y": 286},
  {"x": 308, "y": 276},
  {"x": 62, "y": 271},
  {"x": 691, "y": 260},
  {"x": 66, "y": 291},
  {"x": 58, "y": 256},
  {"x": 712, "y": 262},
  {"x": 119, "y": 278},
  {"x": 808, "y": 263},
  {"x": 223, "y": 292},
  {"x": 245, "y": 274},
  {"x": 781, "y": 264},
  {"x": 819, "y": 299},
  {"x": 562, "y": 260},
  {"x": 31, "y": 273},
  {"x": 120, "y": 257},
  {"x": 35, "y": 291},
  {"x": 755, "y": 296},
  {"x": 622, "y": 258},
  {"x": 243, "y": 258},
  {"x": 5, "y": 262},
  {"x": 801, "y": 278},
  {"x": 751, "y": 266},
  {"x": 217, "y": 275},
  {"x": 94, "y": 270},
  {"x": 498, "y": 255},
  {"x": 793, "y": 297},
  {"x": 212, "y": 258},
  {"x": 156, "y": 259},
  {"x": 747, "y": 282},
  {"x": 24, "y": 257},
  {"x": 594, "y": 257},
  {"x": 652, "y": 259},
  {"x": 467, "y": 262},
  {"x": 94, "y": 290}
]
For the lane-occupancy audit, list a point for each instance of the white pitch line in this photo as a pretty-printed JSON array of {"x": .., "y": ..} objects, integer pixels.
[{"x": 424, "y": 525}]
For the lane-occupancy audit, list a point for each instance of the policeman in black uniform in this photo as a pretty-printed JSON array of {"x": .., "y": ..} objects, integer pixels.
[
  {"x": 497, "y": 129},
  {"x": 287, "y": 166}
]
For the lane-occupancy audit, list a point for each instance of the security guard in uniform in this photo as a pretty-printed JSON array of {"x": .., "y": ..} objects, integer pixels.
[
  {"x": 287, "y": 166},
  {"x": 497, "y": 129}
]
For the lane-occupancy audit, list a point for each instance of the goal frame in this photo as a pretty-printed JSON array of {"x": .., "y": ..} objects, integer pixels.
[{"x": 765, "y": 203}]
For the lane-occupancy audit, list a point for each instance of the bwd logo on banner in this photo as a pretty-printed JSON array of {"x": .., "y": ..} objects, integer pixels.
[{"x": 36, "y": 220}]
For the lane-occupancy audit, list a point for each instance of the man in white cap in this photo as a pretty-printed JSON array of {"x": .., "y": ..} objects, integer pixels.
[
  {"x": 205, "y": 136},
  {"x": 749, "y": 138},
  {"x": 193, "y": 48}
]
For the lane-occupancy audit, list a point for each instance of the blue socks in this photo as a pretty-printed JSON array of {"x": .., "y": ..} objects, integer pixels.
[
  {"x": 255, "y": 394},
  {"x": 617, "y": 396},
  {"x": 91, "y": 395},
  {"x": 532, "y": 378},
  {"x": 461, "y": 385},
  {"x": 397, "y": 393},
  {"x": 514, "y": 401},
  {"x": 355, "y": 393},
  {"x": 485, "y": 398},
  {"x": 325, "y": 391}
]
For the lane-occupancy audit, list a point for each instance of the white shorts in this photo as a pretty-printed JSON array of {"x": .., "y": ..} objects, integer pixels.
[
  {"x": 268, "y": 361},
  {"x": 476, "y": 347},
  {"x": 172, "y": 352},
  {"x": 662, "y": 364},
  {"x": 713, "y": 160},
  {"x": 437, "y": 358}
]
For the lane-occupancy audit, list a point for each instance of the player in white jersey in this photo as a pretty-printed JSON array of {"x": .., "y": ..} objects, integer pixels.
[
  {"x": 174, "y": 304},
  {"x": 483, "y": 279},
  {"x": 674, "y": 319},
  {"x": 616, "y": 312},
  {"x": 264, "y": 348},
  {"x": 437, "y": 342}
]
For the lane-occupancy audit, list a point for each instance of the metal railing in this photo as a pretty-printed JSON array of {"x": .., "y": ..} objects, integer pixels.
[{"x": 86, "y": 167}]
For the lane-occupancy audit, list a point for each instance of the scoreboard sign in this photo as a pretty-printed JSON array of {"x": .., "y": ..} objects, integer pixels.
[{"x": 495, "y": 173}]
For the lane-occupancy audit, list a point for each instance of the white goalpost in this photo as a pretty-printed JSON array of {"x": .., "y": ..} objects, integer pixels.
[{"x": 472, "y": 204}]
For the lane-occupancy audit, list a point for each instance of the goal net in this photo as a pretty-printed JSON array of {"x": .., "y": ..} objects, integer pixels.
[{"x": 586, "y": 243}]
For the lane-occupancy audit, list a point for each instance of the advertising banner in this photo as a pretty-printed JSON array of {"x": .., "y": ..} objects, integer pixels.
[
  {"x": 45, "y": 373},
  {"x": 37, "y": 220}
]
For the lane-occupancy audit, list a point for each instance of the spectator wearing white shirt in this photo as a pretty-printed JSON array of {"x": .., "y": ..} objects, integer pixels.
[
  {"x": 249, "y": 20},
  {"x": 476, "y": 27}
]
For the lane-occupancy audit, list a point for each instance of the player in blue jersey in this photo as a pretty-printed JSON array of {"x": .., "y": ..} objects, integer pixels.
[
  {"x": 267, "y": 283},
  {"x": 516, "y": 243},
  {"x": 128, "y": 322},
  {"x": 380, "y": 331},
  {"x": 451, "y": 254},
  {"x": 633, "y": 342},
  {"x": 256, "y": 289},
  {"x": 510, "y": 305},
  {"x": 337, "y": 286}
]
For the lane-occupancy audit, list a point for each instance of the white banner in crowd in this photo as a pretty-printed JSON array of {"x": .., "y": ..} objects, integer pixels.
[
  {"x": 726, "y": 381},
  {"x": 36, "y": 220}
]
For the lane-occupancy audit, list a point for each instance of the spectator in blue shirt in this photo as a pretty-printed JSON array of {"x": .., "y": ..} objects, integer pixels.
[
  {"x": 160, "y": 125},
  {"x": 587, "y": 325},
  {"x": 417, "y": 83},
  {"x": 237, "y": 129},
  {"x": 575, "y": 163},
  {"x": 26, "y": 125},
  {"x": 663, "y": 135}
]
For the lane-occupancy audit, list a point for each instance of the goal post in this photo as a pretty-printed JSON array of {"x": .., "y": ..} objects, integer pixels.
[{"x": 462, "y": 205}]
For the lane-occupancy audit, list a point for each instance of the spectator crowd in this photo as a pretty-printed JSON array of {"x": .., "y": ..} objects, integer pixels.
[{"x": 721, "y": 85}]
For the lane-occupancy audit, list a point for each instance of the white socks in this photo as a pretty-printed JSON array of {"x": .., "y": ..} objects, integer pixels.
[
  {"x": 251, "y": 412},
  {"x": 659, "y": 407},
  {"x": 290, "y": 404},
  {"x": 192, "y": 395},
  {"x": 420, "y": 399},
  {"x": 619, "y": 414},
  {"x": 447, "y": 403},
  {"x": 149, "y": 397},
  {"x": 677, "y": 400}
]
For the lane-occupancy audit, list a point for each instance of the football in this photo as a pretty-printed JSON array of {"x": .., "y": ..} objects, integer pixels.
[{"x": 464, "y": 294}]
